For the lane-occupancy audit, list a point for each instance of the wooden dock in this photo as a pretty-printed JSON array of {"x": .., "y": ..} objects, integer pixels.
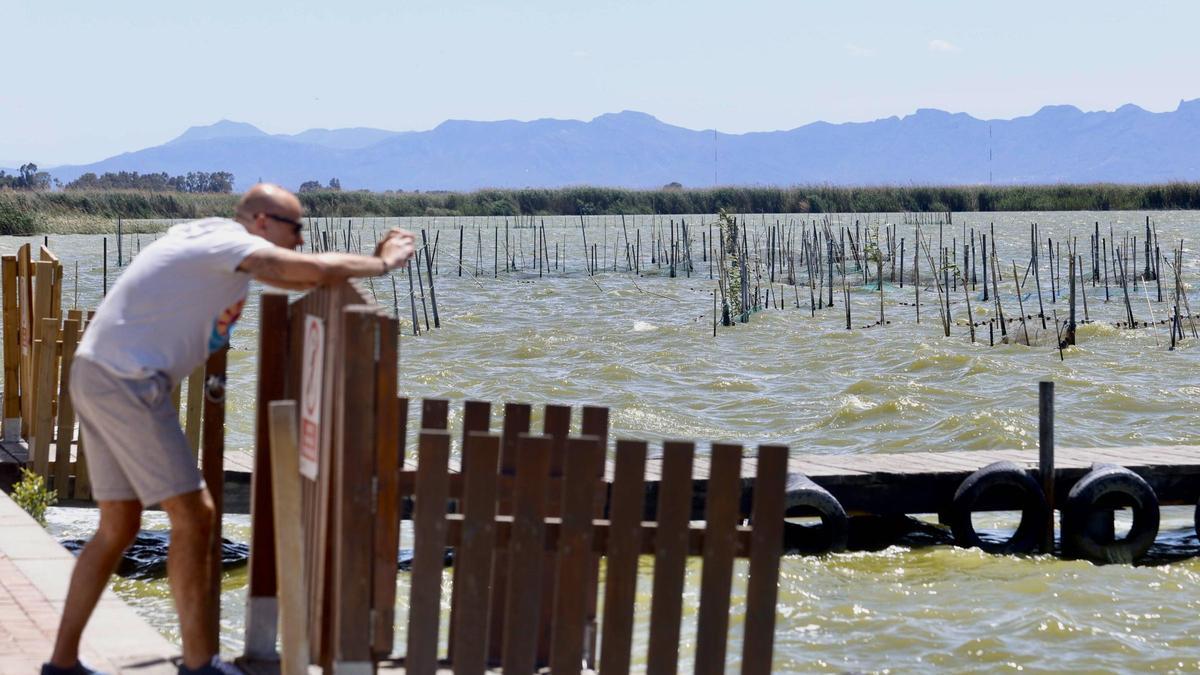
[{"x": 895, "y": 483}]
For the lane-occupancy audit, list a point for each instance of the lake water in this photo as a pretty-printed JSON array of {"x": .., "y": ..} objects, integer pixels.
[{"x": 643, "y": 346}]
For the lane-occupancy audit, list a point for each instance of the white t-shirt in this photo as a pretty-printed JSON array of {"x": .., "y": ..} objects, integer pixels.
[{"x": 176, "y": 303}]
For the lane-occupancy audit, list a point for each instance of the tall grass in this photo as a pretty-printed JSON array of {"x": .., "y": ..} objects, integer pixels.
[{"x": 62, "y": 212}]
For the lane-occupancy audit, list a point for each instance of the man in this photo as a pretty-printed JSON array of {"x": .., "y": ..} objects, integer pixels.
[{"x": 175, "y": 304}]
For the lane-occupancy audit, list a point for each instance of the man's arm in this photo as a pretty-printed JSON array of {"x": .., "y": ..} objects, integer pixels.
[{"x": 285, "y": 268}]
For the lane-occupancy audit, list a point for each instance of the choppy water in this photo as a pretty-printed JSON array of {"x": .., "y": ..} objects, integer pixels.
[{"x": 644, "y": 347}]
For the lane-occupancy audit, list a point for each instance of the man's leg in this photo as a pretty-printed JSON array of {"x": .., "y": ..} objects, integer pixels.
[
  {"x": 192, "y": 516},
  {"x": 119, "y": 524}
]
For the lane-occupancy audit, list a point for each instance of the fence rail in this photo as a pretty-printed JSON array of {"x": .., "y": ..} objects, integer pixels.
[{"x": 526, "y": 520}]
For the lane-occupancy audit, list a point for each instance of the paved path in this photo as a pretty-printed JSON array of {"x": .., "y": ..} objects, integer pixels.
[{"x": 34, "y": 573}]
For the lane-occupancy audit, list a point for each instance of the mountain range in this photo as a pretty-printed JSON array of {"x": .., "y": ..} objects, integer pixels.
[{"x": 1057, "y": 144}]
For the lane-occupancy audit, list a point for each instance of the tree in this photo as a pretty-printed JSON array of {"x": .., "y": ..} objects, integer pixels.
[
  {"x": 335, "y": 185},
  {"x": 310, "y": 186},
  {"x": 27, "y": 178},
  {"x": 196, "y": 181}
]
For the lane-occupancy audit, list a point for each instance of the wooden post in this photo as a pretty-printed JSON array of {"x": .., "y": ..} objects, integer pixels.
[
  {"x": 262, "y": 605},
  {"x": 352, "y": 534},
  {"x": 389, "y": 459},
  {"x": 288, "y": 537},
  {"x": 1046, "y": 456},
  {"x": 213, "y": 470},
  {"x": 437, "y": 323},
  {"x": 66, "y": 412}
]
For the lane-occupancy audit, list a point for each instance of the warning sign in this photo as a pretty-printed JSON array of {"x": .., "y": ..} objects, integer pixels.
[{"x": 310, "y": 396}]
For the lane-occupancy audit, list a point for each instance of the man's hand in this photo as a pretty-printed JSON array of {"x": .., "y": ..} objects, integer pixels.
[{"x": 396, "y": 248}]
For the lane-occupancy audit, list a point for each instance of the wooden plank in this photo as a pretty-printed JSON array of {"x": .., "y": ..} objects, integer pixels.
[
  {"x": 25, "y": 336},
  {"x": 354, "y": 447},
  {"x": 435, "y": 413},
  {"x": 716, "y": 579},
  {"x": 47, "y": 372},
  {"x": 329, "y": 304},
  {"x": 574, "y": 551},
  {"x": 12, "y": 348},
  {"x": 83, "y": 480},
  {"x": 66, "y": 412},
  {"x": 595, "y": 423},
  {"x": 670, "y": 558},
  {"x": 620, "y": 583},
  {"x": 388, "y": 453},
  {"x": 213, "y": 471},
  {"x": 473, "y": 559},
  {"x": 56, "y": 290},
  {"x": 758, "y": 633},
  {"x": 288, "y": 533},
  {"x": 43, "y": 287},
  {"x": 195, "y": 407},
  {"x": 556, "y": 424},
  {"x": 46, "y": 255},
  {"x": 261, "y": 622},
  {"x": 516, "y": 422},
  {"x": 477, "y": 417},
  {"x": 429, "y": 526},
  {"x": 523, "y": 599}
]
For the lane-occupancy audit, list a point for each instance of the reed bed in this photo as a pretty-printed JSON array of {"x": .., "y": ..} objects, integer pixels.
[{"x": 66, "y": 212}]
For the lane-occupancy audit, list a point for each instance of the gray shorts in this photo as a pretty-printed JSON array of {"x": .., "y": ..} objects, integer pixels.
[{"x": 134, "y": 446}]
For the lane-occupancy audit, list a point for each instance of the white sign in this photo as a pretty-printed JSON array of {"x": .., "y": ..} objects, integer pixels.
[{"x": 311, "y": 395}]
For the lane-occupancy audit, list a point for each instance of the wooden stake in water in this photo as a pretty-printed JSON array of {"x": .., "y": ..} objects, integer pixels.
[
  {"x": 1046, "y": 457},
  {"x": 104, "y": 256},
  {"x": 412, "y": 300},
  {"x": 1020, "y": 301},
  {"x": 432, "y": 295}
]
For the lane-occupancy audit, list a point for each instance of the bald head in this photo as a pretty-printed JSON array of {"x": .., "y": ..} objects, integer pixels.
[{"x": 269, "y": 199}]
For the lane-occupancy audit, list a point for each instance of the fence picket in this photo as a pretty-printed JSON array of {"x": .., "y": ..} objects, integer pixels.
[
  {"x": 721, "y": 515},
  {"x": 758, "y": 634},
  {"x": 526, "y": 545},
  {"x": 670, "y": 558},
  {"x": 429, "y": 525}
]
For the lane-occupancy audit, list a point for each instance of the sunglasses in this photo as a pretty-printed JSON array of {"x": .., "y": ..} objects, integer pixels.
[{"x": 297, "y": 226}]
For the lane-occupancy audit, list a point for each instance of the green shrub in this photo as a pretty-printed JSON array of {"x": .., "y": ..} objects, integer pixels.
[{"x": 32, "y": 495}]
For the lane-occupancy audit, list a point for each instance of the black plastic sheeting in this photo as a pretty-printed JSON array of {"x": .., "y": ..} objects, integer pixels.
[{"x": 146, "y": 557}]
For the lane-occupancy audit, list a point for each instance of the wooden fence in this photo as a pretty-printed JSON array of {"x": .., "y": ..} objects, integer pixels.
[
  {"x": 524, "y": 515},
  {"x": 39, "y": 347}
]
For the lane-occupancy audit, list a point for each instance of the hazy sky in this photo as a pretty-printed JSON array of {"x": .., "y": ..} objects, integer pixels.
[{"x": 81, "y": 81}]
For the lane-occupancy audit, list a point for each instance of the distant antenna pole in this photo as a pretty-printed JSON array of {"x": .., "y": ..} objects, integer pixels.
[{"x": 714, "y": 158}]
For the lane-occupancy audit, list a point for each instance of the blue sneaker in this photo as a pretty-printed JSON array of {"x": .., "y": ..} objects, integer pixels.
[
  {"x": 214, "y": 667},
  {"x": 77, "y": 669}
]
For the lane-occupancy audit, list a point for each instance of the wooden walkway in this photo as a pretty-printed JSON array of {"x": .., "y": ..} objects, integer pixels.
[{"x": 910, "y": 482}]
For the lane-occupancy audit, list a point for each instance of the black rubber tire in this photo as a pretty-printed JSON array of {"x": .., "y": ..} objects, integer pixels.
[
  {"x": 1027, "y": 495},
  {"x": 806, "y": 498},
  {"x": 1196, "y": 519},
  {"x": 1104, "y": 487}
]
